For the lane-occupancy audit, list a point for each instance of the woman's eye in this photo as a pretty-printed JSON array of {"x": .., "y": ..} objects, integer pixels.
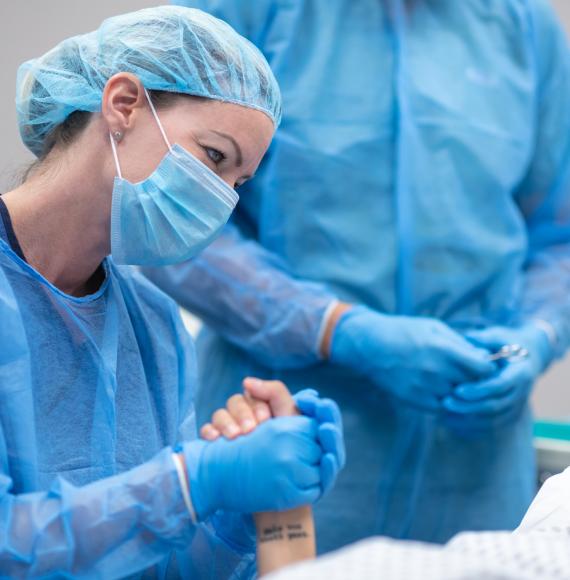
[{"x": 215, "y": 155}]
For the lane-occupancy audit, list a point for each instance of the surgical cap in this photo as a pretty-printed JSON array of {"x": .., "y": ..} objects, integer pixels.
[{"x": 169, "y": 48}]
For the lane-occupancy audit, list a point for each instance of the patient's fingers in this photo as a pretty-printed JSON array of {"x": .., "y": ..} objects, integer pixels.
[
  {"x": 225, "y": 424},
  {"x": 261, "y": 409},
  {"x": 242, "y": 412},
  {"x": 274, "y": 393},
  {"x": 209, "y": 432}
]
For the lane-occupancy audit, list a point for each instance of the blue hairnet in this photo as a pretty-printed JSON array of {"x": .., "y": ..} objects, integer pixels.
[{"x": 169, "y": 48}]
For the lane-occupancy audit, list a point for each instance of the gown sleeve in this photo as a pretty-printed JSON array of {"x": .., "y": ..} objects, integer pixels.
[
  {"x": 246, "y": 294},
  {"x": 544, "y": 198},
  {"x": 110, "y": 528}
]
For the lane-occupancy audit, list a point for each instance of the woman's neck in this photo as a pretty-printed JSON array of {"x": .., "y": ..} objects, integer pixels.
[{"x": 61, "y": 217}]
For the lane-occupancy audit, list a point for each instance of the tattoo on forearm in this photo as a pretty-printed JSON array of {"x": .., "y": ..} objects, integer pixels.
[
  {"x": 277, "y": 532},
  {"x": 296, "y": 532}
]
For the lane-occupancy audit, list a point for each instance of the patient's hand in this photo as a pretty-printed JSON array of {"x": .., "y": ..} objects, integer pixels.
[{"x": 243, "y": 413}]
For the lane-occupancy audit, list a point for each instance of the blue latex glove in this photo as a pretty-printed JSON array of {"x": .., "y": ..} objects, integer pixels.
[
  {"x": 327, "y": 414},
  {"x": 418, "y": 360},
  {"x": 276, "y": 467},
  {"x": 500, "y": 399}
]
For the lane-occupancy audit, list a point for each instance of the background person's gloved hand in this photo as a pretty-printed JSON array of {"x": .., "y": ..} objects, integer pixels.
[
  {"x": 499, "y": 399},
  {"x": 275, "y": 467},
  {"x": 418, "y": 360}
]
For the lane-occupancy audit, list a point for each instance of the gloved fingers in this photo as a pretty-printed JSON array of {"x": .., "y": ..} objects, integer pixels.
[
  {"x": 323, "y": 410},
  {"x": 307, "y": 403},
  {"x": 471, "y": 362},
  {"x": 328, "y": 412},
  {"x": 508, "y": 378},
  {"x": 332, "y": 442},
  {"x": 511, "y": 401},
  {"x": 493, "y": 406},
  {"x": 492, "y": 339},
  {"x": 486, "y": 407},
  {"x": 306, "y": 394},
  {"x": 242, "y": 412},
  {"x": 497, "y": 386},
  {"x": 305, "y": 432},
  {"x": 310, "y": 453},
  {"x": 274, "y": 393},
  {"x": 309, "y": 496},
  {"x": 329, "y": 471},
  {"x": 306, "y": 476},
  {"x": 209, "y": 432},
  {"x": 223, "y": 422}
]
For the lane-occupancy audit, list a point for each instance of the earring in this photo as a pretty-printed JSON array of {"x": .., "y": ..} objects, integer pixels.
[{"x": 118, "y": 136}]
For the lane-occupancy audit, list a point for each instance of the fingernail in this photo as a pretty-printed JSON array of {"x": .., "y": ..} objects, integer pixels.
[
  {"x": 262, "y": 414},
  {"x": 247, "y": 425},
  {"x": 209, "y": 432},
  {"x": 253, "y": 382},
  {"x": 231, "y": 431}
]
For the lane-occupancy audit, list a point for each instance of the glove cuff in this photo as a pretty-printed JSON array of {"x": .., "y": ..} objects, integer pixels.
[
  {"x": 344, "y": 350},
  {"x": 201, "y": 489},
  {"x": 541, "y": 344}
]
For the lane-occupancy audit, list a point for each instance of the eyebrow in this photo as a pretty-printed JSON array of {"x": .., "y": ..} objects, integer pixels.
[{"x": 239, "y": 154}]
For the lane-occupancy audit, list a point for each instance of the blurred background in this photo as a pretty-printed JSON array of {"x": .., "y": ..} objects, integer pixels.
[{"x": 29, "y": 28}]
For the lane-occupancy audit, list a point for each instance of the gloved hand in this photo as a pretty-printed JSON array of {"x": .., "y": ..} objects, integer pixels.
[
  {"x": 276, "y": 467},
  {"x": 418, "y": 360},
  {"x": 327, "y": 414},
  {"x": 500, "y": 398}
]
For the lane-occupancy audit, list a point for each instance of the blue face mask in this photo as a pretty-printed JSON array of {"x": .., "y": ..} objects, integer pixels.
[{"x": 173, "y": 214}]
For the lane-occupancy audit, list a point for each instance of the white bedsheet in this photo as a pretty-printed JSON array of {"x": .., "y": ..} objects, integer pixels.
[{"x": 538, "y": 549}]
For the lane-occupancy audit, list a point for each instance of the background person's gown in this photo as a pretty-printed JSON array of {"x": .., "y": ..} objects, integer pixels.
[{"x": 422, "y": 168}]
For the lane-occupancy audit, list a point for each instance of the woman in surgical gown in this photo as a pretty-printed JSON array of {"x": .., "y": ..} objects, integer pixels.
[{"x": 97, "y": 373}]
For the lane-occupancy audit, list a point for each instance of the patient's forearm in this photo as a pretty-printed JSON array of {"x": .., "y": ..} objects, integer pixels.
[{"x": 284, "y": 538}]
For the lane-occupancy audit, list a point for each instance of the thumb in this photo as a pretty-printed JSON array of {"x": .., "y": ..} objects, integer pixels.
[
  {"x": 274, "y": 393},
  {"x": 491, "y": 339}
]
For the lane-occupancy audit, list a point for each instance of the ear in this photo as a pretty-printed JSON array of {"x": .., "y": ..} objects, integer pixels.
[{"x": 122, "y": 98}]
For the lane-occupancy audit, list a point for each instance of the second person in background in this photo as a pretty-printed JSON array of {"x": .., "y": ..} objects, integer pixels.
[{"x": 412, "y": 217}]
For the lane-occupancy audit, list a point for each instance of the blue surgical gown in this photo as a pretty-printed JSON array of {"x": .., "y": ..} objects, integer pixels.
[
  {"x": 94, "y": 392},
  {"x": 422, "y": 168}
]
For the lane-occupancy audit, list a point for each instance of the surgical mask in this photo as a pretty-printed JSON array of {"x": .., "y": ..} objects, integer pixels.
[{"x": 173, "y": 214}]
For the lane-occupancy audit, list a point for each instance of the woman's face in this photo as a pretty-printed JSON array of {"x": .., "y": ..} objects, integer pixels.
[{"x": 230, "y": 139}]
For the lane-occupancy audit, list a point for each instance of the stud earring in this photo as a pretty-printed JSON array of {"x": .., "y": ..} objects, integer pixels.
[{"x": 118, "y": 136}]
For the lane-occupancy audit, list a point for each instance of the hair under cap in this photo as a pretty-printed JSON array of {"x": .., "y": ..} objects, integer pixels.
[{"x": 169, "y": 48}]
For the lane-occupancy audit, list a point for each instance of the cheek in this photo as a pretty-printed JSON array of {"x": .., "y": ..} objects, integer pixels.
[{"x": 139, "y": 162}]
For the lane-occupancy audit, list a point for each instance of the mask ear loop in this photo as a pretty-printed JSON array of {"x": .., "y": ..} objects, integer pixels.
[
  {"x": 115, "y": 156},
  {"x": 155, "y": 115},
  {"x": 162, "y": 132}
]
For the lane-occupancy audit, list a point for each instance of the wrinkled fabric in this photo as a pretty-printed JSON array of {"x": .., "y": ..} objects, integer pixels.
[
  {"x": 421, "y": 170},
  {"x": 550, "y": 509},
  {"x": 539, "y": 548},
  {"x": 94, "y": 392},
  {"x": 169, "y": 48},
  {"x": 470, "y": 556}
]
